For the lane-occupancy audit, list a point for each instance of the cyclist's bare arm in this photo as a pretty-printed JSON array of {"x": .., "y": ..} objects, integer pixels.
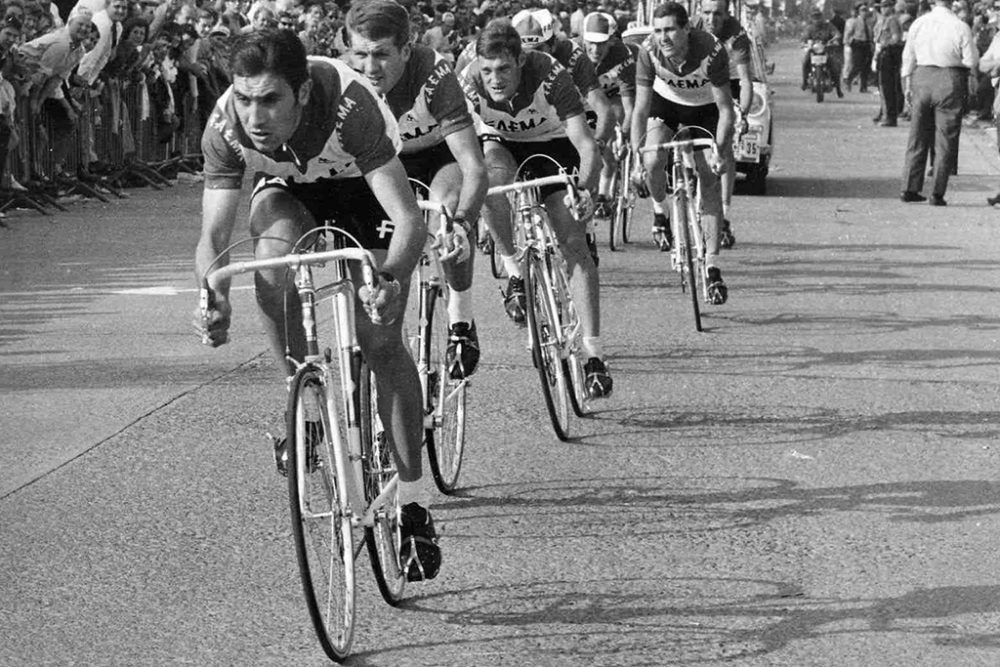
[
  {"x": 599, "y": 102},
  {"x": 392, "y": 190},
  {"x": 219, "y": 208},
  {"x": 640, "y": 115},
  {"x": 628, "y": 104},
  {"x": 218, "y": 217},
  {"x": 724, "y": 131},
  {"x": 464, "y": 145},
  {"x": 580, "y": 135},
  {"x": 746, "y": 86}
]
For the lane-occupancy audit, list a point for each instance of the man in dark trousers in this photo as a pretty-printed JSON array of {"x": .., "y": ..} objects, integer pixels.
[
  {"x": 939, "y": 59},
  {"x": 888, "y": 37}
]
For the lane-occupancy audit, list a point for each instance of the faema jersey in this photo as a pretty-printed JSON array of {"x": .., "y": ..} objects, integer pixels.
[
  {"x": 690, "y": 85},
  {"x": 616, "y": 71},
  {"x": 567, "y": 53},
  {"x": 428, "y": 101},
  {"x": 345, "y": 131},
  {"x": 545, "y": 98}
]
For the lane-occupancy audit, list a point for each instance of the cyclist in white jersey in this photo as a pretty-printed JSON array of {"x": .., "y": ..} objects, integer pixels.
[
  {"x": 440, "y": 146},
  {"x": 323, "y": 147},
  {"x": 528, "y": 104},
  {"x": 682, "y": 79}
]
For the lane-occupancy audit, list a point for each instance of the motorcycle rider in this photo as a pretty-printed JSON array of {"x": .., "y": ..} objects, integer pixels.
[{"x": 821, "y": 30}]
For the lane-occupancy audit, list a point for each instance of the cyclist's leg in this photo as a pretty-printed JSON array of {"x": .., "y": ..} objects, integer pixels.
[
  {"x": 655, "y": 164},
  {"x": 278, "y": 215},
  {"x": 496, "y": 213},
  {"x": 502, "y": 168},
  {"x": 711, "y": 218},
  {"x": 463, "y": 343}
]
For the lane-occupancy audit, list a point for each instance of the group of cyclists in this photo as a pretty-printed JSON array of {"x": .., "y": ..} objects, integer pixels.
[{"x": 329, "y": 140}]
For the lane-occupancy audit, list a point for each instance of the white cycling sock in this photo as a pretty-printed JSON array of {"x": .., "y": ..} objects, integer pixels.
[
  {"x": 592, "y": 347},
  {"x": 460, "y": 306},
  {"x": 512, "y": 265},
  {"x": 658, "y": 206},
  {"x": 711, "y": 261},
  {"x": 413, "y": 492}
]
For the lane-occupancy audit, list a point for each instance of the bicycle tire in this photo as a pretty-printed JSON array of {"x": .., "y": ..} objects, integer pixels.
[
  {"x": 496, "y": 263},
  {"x": 445, "y": 397},
  {"x": 542, "y": 321},
  {"x": 700, "y": 275},
  {"x": 625, "y": 216},
  {"x": 570, "y": 321},
  {"x": 683, "y": 238},
  {"x": 324, "y": 541},
  {"x": 377, "y": 469},
  {"x": 615, "y": 190}
]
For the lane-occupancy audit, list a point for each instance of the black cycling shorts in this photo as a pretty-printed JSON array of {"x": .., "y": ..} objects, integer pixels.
[
  {"x": 424, "y": 165},
  {"x": 347, "y": 204},
  {"x": 674, "y": 115},
  {"x": 561, "y": 150}
]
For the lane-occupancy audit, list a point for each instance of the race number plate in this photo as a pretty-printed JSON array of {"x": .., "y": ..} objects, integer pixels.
[
  {"x": 819, "y": 60},
  {"x": 748, "y": 148}
]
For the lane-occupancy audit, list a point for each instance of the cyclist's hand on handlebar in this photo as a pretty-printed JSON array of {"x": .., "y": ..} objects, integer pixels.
[
  {"x": 741, "y": 127},
  {"x": 212, "y": 324},
  {"x": 638, "y": 177},
  {"x": 382, "y": 303},
  {"x": 454, "y": 246},
  {"x": 584, "y": 204}
]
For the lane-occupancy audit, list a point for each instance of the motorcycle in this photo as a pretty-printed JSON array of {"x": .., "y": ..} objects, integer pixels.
[{"x": 820, "y": 75}]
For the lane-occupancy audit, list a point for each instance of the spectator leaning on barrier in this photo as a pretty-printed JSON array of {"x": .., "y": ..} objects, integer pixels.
[
  {"x": 52, "y": 58},
  {"x": 10, "y": 33}
]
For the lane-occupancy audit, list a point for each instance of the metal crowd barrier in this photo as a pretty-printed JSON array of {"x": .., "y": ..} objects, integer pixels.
[{"x": 115, "y": 143}]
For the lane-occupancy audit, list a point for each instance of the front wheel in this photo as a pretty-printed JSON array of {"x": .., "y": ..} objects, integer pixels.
[
  {"x": 445, "y": 397},
  {"x": 682, "y": 234},
  {"x": 324, "y": 543},
  {"x": 377, "y": 470},
  {"x": 544, "y": 325}
]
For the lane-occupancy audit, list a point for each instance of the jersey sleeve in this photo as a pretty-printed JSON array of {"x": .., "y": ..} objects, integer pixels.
[
  {"x": 365, "y": 130},
  {"x": 562, "y": 93},
  {"x": 626, "y": 78},
  {"x": 584, "y": 72},
  {"x": 718, "y": 65},
  {"x": 739, "y": 52},
  {"x": 224, "y": 164},
  {"x": 446, "y": 100},
  {"x": 644, "y": 70}
]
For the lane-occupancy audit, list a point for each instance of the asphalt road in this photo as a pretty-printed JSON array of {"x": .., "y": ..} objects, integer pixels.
[{"x": 812, "y": 481}]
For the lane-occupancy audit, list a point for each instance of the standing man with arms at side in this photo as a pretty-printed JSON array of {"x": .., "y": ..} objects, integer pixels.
[
  {"x": 858, "y": 36},
  {"x": 888, "y": 36},
  {"x": 939, "y": 61},
  {"x": 323, "y": 147}
]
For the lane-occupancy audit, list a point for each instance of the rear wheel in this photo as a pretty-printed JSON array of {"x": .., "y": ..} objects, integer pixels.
[
  {"x": 324, "y": 543},
  {"x": 543, "y": 322},
  {"x": 445, "y": 397},
  {"x": 378, "y": 469}
]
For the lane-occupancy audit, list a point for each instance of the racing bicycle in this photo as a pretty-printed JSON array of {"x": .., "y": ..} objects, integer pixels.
[
  {"x": 426, "y": 331},
  {"x": 624, "y": 194},
  {"x": 688, "y": 254},
  {"x": 341, "y": 477},
  {"x": 554, "y": 329}
]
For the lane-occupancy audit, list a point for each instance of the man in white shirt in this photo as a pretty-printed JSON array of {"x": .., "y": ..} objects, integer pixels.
[{"x": 939, "y": 58}]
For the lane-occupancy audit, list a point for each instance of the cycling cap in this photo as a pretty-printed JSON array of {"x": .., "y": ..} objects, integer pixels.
[
  {"x": 599, "y": 27},
  {"x": 534, "y": 26}
]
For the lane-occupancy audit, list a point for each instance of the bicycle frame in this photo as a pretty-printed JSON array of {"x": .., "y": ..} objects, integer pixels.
[
  {"x": 538, "y": 242},
  {"x": 347, "y": 455}
]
